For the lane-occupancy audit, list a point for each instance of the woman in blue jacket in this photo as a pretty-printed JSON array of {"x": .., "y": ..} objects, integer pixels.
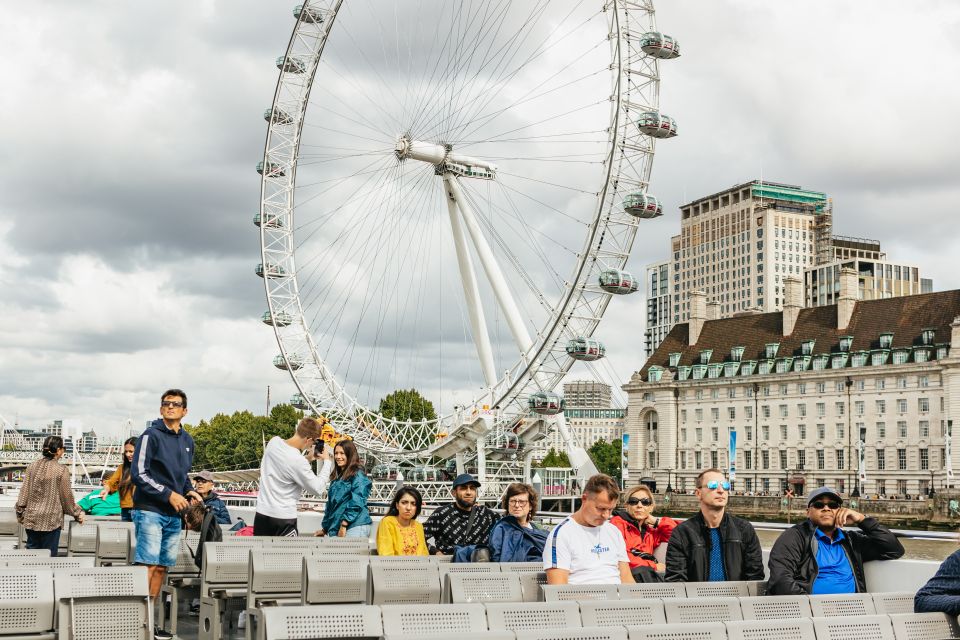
[
  {"x": 514, "y": 538},
  {"x": 346, "y": 513}
]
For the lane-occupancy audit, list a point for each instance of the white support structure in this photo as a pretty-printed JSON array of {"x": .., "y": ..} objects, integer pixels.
[{"x": 580, "y": 460}]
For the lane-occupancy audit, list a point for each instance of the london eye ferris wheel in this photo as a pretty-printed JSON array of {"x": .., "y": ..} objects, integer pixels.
[{"x": 450, "y": 192}]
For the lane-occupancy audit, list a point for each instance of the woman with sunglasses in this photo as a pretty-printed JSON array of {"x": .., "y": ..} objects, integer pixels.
[{"x": 643, "y": 532}]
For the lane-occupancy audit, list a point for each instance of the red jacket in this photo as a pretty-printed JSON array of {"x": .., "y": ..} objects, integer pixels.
[{"x": 643, "y": 538}]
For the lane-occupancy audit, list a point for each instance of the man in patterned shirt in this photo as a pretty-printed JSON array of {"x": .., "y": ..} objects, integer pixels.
[{"x": 462, "y": 523}]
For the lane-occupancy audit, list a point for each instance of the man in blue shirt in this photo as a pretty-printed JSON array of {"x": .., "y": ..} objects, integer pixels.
[{"x": 817, "y": 556}]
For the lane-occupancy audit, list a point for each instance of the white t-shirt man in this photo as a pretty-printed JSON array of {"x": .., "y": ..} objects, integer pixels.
[
  {"x": 284, "y": 475},
  {"x": 590, "y": 554}
]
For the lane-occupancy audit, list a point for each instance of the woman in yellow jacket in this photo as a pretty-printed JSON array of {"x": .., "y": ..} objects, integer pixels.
[
  {"x": 121, "y": 481},
  {"x": 399, "y": 533}
]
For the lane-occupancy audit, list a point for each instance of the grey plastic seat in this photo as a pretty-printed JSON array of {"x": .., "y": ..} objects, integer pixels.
[
  {"x": 583, "y": 633},
  {"x": 556, "y": 592},
  {"x": 521, "y": 567},
  {"x": 924, "y": 626},
  {"x": 404, "y": 583},
  {"x": 686, "y": 610},
  {"x": 27, "y": 603},
  {"x": 516, "y": 616},
  {"x": 756, "y": 587},
  {"x": 627, "y": 613},
  {"x": 893, "y": 602},
  {"x": 114, "y": 544},
  {"x": 653, "y": 590},
  {"x": 322, "y": 621},
  {"x": 8, "y": 543},
  {"x": 460, "y": 568},
  {"x": 717, "y": 589},
  {"x": 775, "y": 607},
  {"x": 693, "y": 631},
  {"x": 40, "y": 562},
  {"x": 484, "y": 587},
  {"x": 334, "y": 579},
  {"x": 530, "y": 583},
  {"x": 793, "y": 629},
  {"x": 854, "y": 627},
  {"x": 434, "y": 618},
  {"x": 82, "y": 538},
  {"x": 842, "y": 604},
  {"x": 223, "y": 585},
  {"x": 24, "y": 553},
  {"x": 9, "y": 527},
  {"x": 275, "y": 577},
  {"x": 89, "y": 599},
  {"x": 473, "y": 635}
]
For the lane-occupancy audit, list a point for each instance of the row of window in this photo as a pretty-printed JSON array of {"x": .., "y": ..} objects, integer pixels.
[
  {"x": 840, "y": 432},
  {"x": 783, "y": 410},
  {"x": 761, "y": 460},
  {"x": 839, "y": 386}
]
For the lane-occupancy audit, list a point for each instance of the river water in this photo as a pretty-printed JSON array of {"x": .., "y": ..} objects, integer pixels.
[{"x": 915, "y": 549}]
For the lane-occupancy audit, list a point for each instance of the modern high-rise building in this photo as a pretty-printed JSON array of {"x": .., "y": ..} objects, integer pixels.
[
  {"x": 586, "y": 394},
  {"x": 659, "y": 312}
]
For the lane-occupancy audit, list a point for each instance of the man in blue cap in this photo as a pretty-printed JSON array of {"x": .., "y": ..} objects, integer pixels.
[
  {"x": 817, "y": 556},
  {"x": 462, "y": 523}
]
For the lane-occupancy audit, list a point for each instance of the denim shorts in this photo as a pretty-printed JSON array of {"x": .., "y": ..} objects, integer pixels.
[
  {"x": 158, "y": 538},
  {"x": 358, "y": 531}
]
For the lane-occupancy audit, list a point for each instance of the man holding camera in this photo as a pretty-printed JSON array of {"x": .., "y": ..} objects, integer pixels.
[{"x": 285, "y": 473}]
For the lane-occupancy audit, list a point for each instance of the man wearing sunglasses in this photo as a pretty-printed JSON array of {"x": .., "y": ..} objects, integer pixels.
[
  {"x": 713, "y": 546},
  {"x": 817, "y": 556}
]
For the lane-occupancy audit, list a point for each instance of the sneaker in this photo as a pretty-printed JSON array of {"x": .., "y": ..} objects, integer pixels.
[
  {"x": 194, "y": 609},
  {"x": 160, "y": 634}
]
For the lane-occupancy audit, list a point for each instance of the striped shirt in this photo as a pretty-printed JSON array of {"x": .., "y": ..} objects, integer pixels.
[{"x": 45, "y": 496}]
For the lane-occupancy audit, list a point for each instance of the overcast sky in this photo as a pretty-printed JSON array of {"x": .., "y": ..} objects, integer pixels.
[{"x": 130, "y": 132}]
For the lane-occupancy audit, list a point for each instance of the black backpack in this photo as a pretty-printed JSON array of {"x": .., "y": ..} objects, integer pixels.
[{"x": 209, "y": 532}]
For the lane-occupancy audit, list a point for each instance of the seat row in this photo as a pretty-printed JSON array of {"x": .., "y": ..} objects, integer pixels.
[
  {"x": 107, "y": 540},
  {"x": 576, "y": 621},
  {"x": 77, "y": 603}
]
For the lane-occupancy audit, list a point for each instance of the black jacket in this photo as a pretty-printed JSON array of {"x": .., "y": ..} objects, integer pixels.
[
  {"x": 688, "y": 552},
  {"x": 793, "y": 559}
]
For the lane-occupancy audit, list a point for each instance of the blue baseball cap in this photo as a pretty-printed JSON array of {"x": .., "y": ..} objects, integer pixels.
[
  {"x": 464, "y": 479},
  {"x": 823, "y": 491}
]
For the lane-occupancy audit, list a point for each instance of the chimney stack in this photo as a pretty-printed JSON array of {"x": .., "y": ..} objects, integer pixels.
[
  {"x": 698, "y": 315},
  {"x": 792, "y": 303},
  {"x": 955, "y": 331},
  {"x": 713, "y": 310},
  {"x": 849, "y": 290}
]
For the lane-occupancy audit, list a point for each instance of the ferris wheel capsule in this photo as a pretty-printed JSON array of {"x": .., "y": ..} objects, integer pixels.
[
  {"x": 586, "y": 349},
  {"x": 291, "y": 65},
  {"x": 642, "y": 205},
  {"x": 546, "y": 403},
  {"x": 657, "y": 125},
  {"x": 618, "y": 281},
  {"x": 273, "y": 169},
  {"x": 277, "y": 115},
  {"x": 659, "y": 45},
  {"x": 282, "y": 319},
  {"x": 306, "y": 13},
  {"x": 297, "y": 401},
  {"x": 269, "y": 221},
  {"x": 270, "y": 271},
  {"x": 291, "y": 363}
]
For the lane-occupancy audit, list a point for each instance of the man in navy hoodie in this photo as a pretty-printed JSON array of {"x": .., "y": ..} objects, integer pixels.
[{"x": 161, "y": 475}]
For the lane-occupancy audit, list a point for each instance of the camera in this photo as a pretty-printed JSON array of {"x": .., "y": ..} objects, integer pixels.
[{"x": 317, "y": 447}]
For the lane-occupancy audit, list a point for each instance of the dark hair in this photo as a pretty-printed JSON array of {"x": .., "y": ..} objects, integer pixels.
[
  {"x": 700, "y": 475},
  {"x": 193, "y": 516},
  {"x": 51, "y": 444},
  {"x": 308, "y": 428},
  {"x": 516, "y": 489},
  {"x": 353, "y": 461},
  {"x": 125, "y": 480},
  {"x": 175, "y": 392},
  {"x": 405, "y": 491},
  {"x": 602, "y": 483}
]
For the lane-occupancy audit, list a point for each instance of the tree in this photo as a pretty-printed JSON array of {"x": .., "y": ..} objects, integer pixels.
[
  {"x": 606, "y": 455},
  {"x": 555, "y": 459},
  {"x": 407, "y": 404},
  {"x": 236, "y": 441}
]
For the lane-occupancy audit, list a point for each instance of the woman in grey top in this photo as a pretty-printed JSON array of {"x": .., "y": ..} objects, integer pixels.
[{"x": 45, "y": 497}]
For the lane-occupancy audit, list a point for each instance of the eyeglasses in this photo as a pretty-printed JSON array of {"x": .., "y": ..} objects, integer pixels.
[
  {"x": 171, "y": 403},
  {"x": 713, "y": 485},
  {"x": 518, "y": 503},
  {"x": 635, "y": 501},
  {"x": 819, "y": 504}
]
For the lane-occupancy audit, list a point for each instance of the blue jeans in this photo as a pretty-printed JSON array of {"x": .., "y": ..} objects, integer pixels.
[
  {"x": 158, "y": 538},
  {"x": 44, "y": 540},
  {"x": 359, "y": 531}
]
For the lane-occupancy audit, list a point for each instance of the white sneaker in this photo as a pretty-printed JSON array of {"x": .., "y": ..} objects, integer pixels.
[{"x": 242, "y": 621}]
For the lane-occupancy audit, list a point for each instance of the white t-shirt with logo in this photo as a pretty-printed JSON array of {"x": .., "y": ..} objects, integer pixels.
[{"x": 591, "y": 554}]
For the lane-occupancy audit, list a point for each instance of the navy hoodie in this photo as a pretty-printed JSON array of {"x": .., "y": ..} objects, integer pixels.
[{"x": 161, "y": 465}]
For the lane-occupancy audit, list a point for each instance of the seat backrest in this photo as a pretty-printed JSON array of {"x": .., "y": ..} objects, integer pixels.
[
  {"x": 115, "y": 543},
  {"x": 484, "y": 587},
  {"x": 274, "y": 572},
  {"x": 76, "y": 562},
  {"x": 693, "y": 631},
  {"x": 775, "y": 608},
  {"x": 792, "y": 629},
  {"x": 530, "y": 583},
  {"x": 893, "y": 602},
  {"x": 8, "y": 522},
  {"x": 461, "y": 568},
  {"x": 555, "y": 592},
  {"x": 853, "y": 627},
  {"x": 685, "y": 610},
  {"x": 101, "y": 582},
  {"x": 404, "y": 560},
  {"x": 842, "y": 604},
  {"x": 26, "y": 601},
  {"x": 521, "y": 567},
  {"x": 226, "y": 563},
  {"x": 24, "y": 553},
  {"x": 334, "y": 579},
  {"x": 8, "y": 543},
  {"x": 627, "y": 613},
  {"x": 334, "y": 544},
  {"x": 924, "y": 626},
  {"x": 717, "y": 589},
  {"x": 583, "y": 633},
  {"x": 434, "y": 618},
  {"x": 82, "y": 538},
  {"x": 322, "y": 621},
  {"x": 514, "y": 616},
  {"x": 89, "y": 599},
  {"x": 405, "y": 583},
  {"x": 652, "y": 590},
  {"x": 756, "y": 587}
]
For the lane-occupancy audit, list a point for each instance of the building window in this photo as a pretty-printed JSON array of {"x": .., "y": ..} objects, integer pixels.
[
  {"x": 698, "y": 394},
  {"x": 698, "y": 414},
  {"x": 841, "y": 460},
  {"x": 902, "y": 459},
  {"x": 732, "y": 392},
  {"x": 881, "y": 429},
  {"x": 923, "y": 381},
  {"x": 698, "y": 459},
  {"x": 765, "y": 459},
  {"x": 784, "y": 389},
  {"x": 699, "y": 433},
  {"x": 748, "y": 412},
  {"x": 783, "y": 432},
  {"x": 923, "y": 404},
  {"x": 840, "y": 408},
  {"x": 881, "y": 407},
  {"x": 902, "y": 382},
  {"x": 802, "y": 428},
  {"x": 841, "y": 431},
  {"x": 820, "y": 457},
  {"x": 715, "y": 413},
  {"x": 714, "y": 433},
  {"x": 765, "y": 432},
  {"x": 881, "y": 459},
  {"x": 924, "y": 460},
  {"x": 765, "y": 411},
  {"x": 882, "y": 488},
  {"x": 683, "y": 415},
  {"x": 801, "y": 459},
  {"x": 732, "y": 413},
  {"x": 859, "y": 407},
  {"x": 714, "y": 461},
  {"x": 821, "y": 432},
  {"x": 901, "y": 428},
  {"x": 924, "y": 428},
  {"x": 880, "y": 384},
  {"x": 901, "y": 405},
  {"x": 783, "y": 411},
  {"x": 748, "y": 460},
  {"x": 901, "y": 487},
  {"x": 714, "y": 393},
  {"x": 783, "y": 459},
  {"x": 821, "y": 409}
]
